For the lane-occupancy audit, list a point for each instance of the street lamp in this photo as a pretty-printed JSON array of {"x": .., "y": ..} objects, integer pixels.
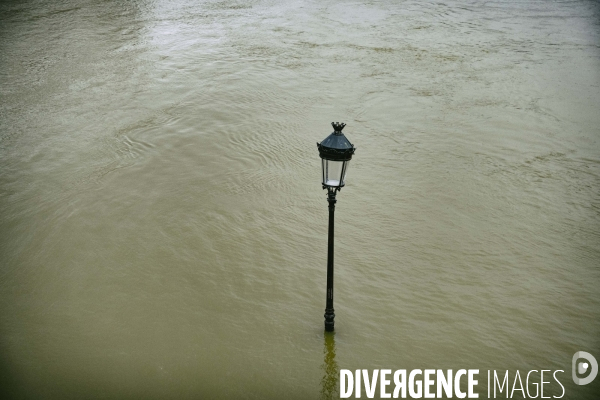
[{"x": 335, "y": 152}]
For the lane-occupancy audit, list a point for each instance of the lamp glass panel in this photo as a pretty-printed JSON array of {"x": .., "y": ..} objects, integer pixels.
[
  {"x": 332, "y": 173},
  {"x": 344, "y": 172}
]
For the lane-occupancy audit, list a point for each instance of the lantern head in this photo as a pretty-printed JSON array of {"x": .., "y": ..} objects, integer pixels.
[{"x": 336, "y": 152}]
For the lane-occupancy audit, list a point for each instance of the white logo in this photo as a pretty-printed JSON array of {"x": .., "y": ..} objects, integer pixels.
[{"x": 582, "y": 368}]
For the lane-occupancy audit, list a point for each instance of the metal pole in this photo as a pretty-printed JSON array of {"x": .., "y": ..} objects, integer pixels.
[{"x": 329, "y": 315}]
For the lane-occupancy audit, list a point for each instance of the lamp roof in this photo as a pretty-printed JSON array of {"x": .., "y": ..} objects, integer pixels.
[{"x": 336, "y": 147}]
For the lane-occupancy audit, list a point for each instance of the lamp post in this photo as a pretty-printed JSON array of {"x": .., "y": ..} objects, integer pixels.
[{"x": 335, "y": 152}]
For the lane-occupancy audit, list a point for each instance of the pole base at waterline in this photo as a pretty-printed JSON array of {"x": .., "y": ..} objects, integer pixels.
[{"x": 329, "y": 316}]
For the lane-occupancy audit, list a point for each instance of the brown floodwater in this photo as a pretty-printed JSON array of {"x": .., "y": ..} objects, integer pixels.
[{"x": 163, "y": 230}]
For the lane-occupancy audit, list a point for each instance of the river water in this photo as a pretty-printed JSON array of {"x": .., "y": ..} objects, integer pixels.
[{"x": 163, "y": 231}]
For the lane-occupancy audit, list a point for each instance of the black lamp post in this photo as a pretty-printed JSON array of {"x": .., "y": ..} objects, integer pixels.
[{"x": 335, "y": 152}]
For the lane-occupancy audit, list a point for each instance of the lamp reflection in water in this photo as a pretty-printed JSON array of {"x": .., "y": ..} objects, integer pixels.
[{"x": 329, "y": 382}]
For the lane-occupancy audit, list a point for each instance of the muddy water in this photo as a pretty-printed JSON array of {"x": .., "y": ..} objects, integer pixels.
[{"x": 162, "y": 225}]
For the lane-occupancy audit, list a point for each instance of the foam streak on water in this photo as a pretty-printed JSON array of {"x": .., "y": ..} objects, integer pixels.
[{"x": 163, "y": 231}]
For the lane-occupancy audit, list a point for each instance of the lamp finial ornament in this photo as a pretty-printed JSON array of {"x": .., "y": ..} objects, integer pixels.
[{"x": 337, "y": 127}]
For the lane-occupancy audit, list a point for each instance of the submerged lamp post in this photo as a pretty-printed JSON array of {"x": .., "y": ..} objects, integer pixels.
[{"x": 335, "y": 152}]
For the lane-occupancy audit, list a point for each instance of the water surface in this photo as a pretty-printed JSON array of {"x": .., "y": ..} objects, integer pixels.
[{"x": 162, "y": 225}]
